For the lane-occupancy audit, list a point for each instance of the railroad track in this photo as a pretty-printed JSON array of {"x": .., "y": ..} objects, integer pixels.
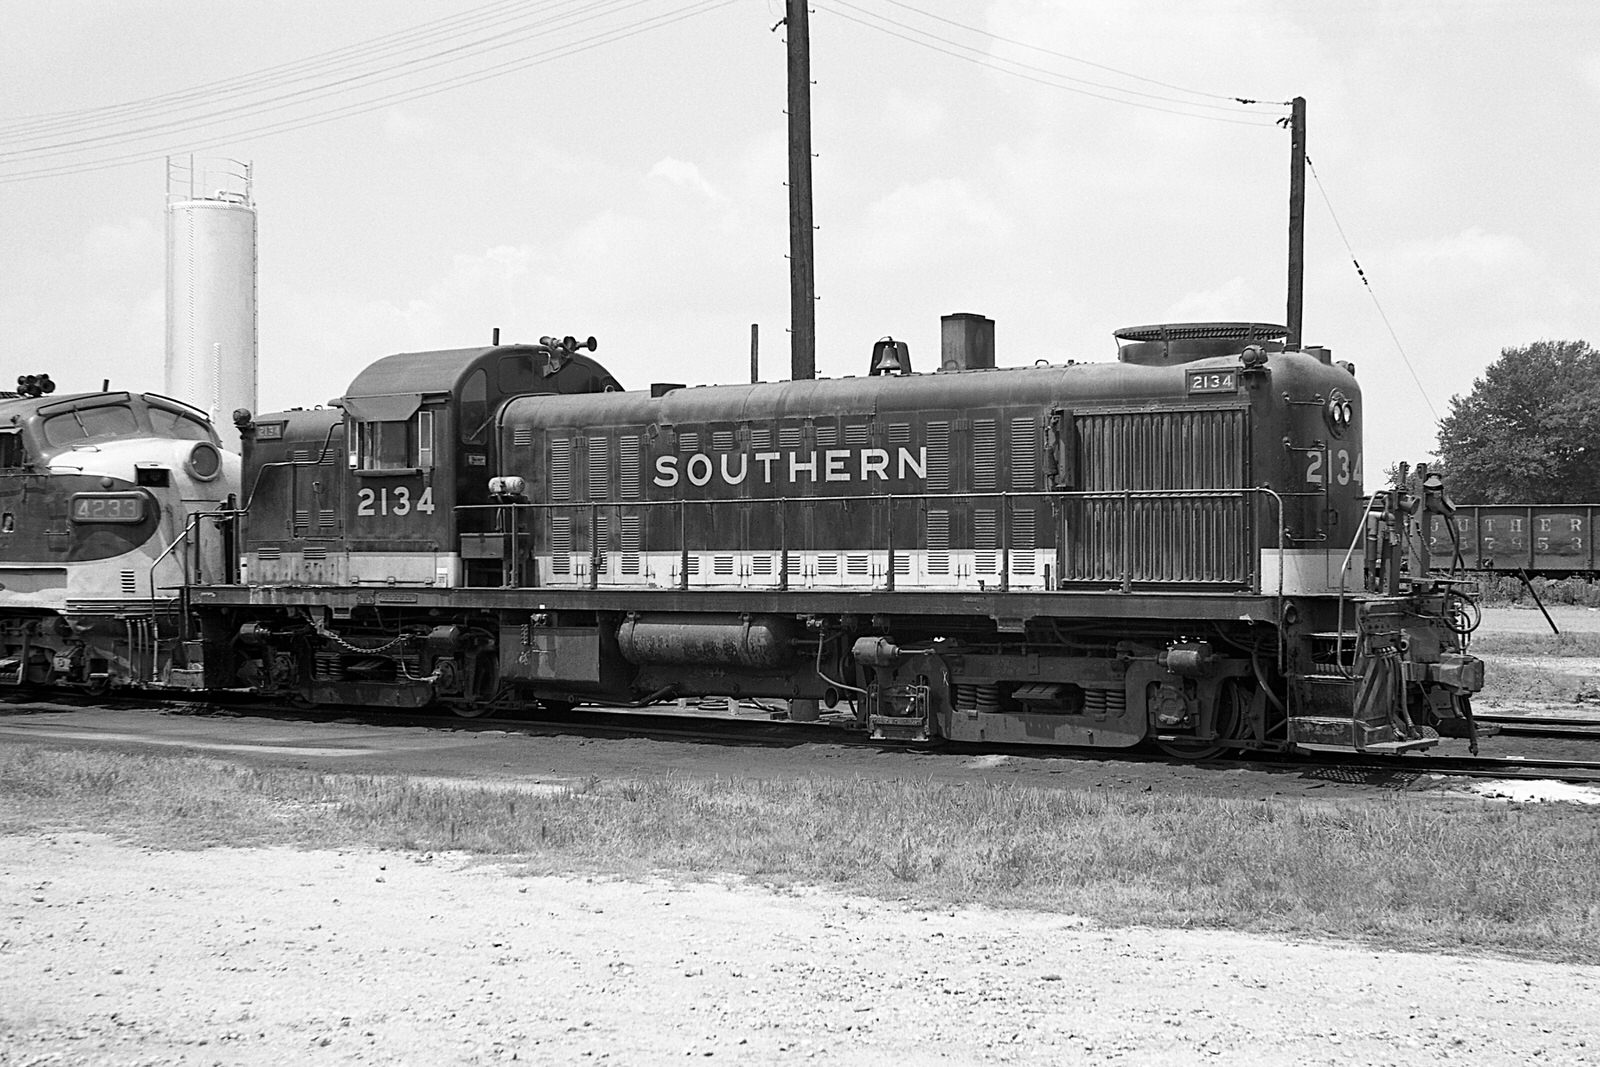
[
  {"x": 758, "y": 729},
  {"x": 1550, "y": 726}
]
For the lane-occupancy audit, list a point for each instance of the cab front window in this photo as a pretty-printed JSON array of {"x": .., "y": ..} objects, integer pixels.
[{"x": 106, "y": 422}]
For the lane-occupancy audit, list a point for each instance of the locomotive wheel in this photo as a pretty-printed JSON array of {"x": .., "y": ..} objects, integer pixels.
[
  {"x": 1231, "y": 705},
  {"x": 482, "y": 687}
]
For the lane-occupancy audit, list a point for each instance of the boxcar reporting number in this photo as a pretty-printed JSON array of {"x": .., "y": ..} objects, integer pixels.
[
  {"x": 398, "y": 501},
  {"x": 1321, "y": 466}
]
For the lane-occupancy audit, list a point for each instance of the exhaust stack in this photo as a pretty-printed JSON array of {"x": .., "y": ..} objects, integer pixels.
[{"x": 966, "y": 342}]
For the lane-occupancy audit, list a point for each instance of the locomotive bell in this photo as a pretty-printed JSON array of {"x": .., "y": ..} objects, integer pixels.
[{"x": 890, "y": 357}]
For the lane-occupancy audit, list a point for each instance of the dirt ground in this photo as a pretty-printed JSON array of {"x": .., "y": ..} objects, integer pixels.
[{"x": 118, "y": 955}]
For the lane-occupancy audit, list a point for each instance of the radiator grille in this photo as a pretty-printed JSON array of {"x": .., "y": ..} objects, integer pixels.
[
  {"x": 1188, "y": 540},
  {"x": 1163, "y": 450},
  {"x": 1156, "y": 540}
]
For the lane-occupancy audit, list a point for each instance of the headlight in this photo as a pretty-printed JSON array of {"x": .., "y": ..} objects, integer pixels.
[
  {"x": 1339, "y": 412},
  {"x": 204, "y": 462}
]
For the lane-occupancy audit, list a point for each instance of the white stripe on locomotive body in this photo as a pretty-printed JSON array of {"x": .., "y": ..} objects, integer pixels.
[
  {"x": 318, "y": 567},
  {"x": 1307, "y": 572},
  {"x": 94, "y": 585},
  {"x": 843, "y": 569}
]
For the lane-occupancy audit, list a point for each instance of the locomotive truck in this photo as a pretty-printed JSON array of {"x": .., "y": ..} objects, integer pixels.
[{"x": 1173, "y": 547}]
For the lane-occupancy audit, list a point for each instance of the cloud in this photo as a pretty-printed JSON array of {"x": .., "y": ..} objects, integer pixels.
[{"x": 684, "y": 176}]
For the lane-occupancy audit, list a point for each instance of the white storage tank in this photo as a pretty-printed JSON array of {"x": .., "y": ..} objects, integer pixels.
[{"x": 211, "y": 290}]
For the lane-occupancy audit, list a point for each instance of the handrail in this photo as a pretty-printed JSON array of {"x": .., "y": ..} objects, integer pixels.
[
  {"x": 327, "y": 441},
  {"x": 189, "y": 526}
]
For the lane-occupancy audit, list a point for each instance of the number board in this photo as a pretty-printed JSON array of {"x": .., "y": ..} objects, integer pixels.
[
  {"x": 1213, "y": 381},
  {"x": 108, "y": 507}
]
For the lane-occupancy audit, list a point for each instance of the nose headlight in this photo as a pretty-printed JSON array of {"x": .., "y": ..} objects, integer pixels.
[
  {"x": 1339, "y": 412},
  {"x": 204, "y": 462}
]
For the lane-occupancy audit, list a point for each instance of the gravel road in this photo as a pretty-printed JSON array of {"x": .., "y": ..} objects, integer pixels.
[{"x": 117, "y": 955}]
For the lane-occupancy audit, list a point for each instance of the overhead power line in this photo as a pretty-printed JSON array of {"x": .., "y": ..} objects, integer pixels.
[
  {"x": 1367, "y": 284},
  {"x": 236, "y": 103},
  {"x": 1062, "y": 55},
  {"x": 980, "y": 55}
]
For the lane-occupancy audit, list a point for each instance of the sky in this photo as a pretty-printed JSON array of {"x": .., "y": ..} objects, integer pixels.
[{"x": 427, "y": 172}]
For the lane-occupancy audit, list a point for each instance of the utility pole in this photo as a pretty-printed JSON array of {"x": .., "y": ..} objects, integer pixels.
[
  {"x": 802, "y": 281},
  {"x": 1297, "y": 220}
]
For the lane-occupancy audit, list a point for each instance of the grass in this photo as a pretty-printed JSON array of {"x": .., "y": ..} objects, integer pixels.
[
  {"x": 1542, "y": 681},
  {"x": 1503, "y": 589},
  {"x": 1398, "y": 871}
]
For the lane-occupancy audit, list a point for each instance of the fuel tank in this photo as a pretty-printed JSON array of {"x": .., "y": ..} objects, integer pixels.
[{"x": 723, "y": 640}]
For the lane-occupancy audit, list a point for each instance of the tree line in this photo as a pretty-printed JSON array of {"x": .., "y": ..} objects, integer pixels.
[{"x": 1529, "y": 430}]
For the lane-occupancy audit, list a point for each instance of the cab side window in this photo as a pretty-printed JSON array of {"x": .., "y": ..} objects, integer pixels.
[
  {"x": 12, "y": 454},
  {"x": 395, "y": 445}
]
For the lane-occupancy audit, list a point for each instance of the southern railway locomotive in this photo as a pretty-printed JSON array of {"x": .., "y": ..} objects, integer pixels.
[
  {"x": 101, "y": 498},
  {"x": 1173, "y": 547}
]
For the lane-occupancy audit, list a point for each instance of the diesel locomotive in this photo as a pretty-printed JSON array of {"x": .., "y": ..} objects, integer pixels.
[
  {"x": 1173, "y": 547},
  {"x": 101, "y": 498}
]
